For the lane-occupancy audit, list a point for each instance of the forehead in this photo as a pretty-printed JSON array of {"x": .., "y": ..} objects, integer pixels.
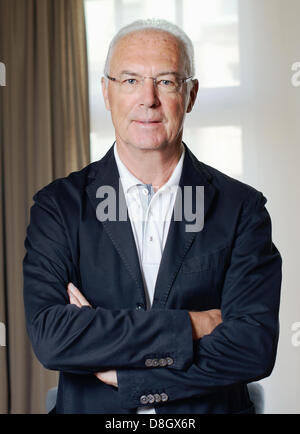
[{"x": 147, "y": 49}]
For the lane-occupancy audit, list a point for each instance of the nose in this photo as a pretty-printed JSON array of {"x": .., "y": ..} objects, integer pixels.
[{"x": 148, "y": 94}]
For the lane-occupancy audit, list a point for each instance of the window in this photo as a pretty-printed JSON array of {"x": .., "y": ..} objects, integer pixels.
[{"x": 212, "y": 130}]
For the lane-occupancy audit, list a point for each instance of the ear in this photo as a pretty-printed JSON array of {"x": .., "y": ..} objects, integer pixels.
[
  {"x": 193, "y": 95},
  {"x": 104, "y": 85}
]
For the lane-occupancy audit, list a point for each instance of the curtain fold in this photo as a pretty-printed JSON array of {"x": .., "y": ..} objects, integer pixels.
[{"x": 44, "y": 134}]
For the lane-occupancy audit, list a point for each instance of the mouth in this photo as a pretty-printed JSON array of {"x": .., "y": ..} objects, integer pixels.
[{"x": 147, "y": 122}]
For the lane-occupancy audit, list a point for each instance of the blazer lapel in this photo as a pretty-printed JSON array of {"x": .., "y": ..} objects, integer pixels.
[
  {"x": 120, "y": 232},
  {"x": 179, "y": 240}
]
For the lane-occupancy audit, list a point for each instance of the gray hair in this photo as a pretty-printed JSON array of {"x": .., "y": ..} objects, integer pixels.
[{"x": 159, "y": 25}]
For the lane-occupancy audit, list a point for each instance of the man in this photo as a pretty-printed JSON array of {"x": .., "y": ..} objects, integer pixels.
[{"x": 144, "y": 314}]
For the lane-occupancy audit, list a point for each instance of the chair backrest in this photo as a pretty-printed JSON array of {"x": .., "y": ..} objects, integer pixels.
[
  {"x": 257, "y": 396},
  {"x": 51, "y": 399}
]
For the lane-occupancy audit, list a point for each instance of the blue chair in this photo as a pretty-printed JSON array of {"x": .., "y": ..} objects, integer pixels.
[
  {"x": 257, "y": 396},
  {"x": 51, "y": 399}
]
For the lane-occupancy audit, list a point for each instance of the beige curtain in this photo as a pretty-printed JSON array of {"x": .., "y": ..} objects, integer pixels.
[{"x": 44, "y": 134}]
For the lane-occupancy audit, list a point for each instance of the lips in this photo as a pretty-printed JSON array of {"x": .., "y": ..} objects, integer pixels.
[{"x": 148, "y": 121}]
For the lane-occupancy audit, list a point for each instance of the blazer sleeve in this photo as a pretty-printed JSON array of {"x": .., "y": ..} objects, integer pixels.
[
  {"x": 85, "y": 340},
  {"x": 243, "y": 347}
]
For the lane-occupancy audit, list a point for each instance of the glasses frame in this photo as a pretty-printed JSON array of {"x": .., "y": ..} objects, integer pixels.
[{"x": 183, "y": 80}]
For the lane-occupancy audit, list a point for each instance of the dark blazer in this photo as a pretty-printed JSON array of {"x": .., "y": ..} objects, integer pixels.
[{"x": 231, "y": 265}]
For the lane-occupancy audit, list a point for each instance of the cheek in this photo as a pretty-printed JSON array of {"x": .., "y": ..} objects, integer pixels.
[
  {"x": 120, "y": 106},
  {"x": 120, "y": 111},
  {"x": 175, "y": 112}
]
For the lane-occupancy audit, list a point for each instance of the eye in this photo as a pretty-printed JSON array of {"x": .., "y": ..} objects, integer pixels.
[
  {"x": 166, "y": 83},
  {"x": 130, "y": 81}
]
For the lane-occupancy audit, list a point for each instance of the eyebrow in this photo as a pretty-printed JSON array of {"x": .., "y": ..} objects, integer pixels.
[{"x": 158, "y": 75}]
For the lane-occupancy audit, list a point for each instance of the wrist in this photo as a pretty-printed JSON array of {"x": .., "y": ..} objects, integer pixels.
[{"x": 195, "y": 318}]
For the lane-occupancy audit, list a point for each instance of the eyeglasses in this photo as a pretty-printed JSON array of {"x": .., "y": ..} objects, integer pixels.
[{"x": 164, "y": 83}]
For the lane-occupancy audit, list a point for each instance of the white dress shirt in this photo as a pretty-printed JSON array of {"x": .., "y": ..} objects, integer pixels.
[{"x": 150, "y": 214}]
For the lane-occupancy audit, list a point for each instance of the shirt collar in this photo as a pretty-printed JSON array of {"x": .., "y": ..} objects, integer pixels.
[{"x": 129, "y": 180}]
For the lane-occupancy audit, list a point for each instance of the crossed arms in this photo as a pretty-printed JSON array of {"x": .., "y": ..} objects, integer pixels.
[
  {"x": 76, "y": 338},
  {"x": 203, "y": 323}
]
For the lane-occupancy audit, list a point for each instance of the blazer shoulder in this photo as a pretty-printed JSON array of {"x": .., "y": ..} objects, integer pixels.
[
  {"x": 231, "y": 188},
  {"x": 72, "y": 185}
]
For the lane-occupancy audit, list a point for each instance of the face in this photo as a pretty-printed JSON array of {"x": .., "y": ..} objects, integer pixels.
[{"x": 146, "y": 118}]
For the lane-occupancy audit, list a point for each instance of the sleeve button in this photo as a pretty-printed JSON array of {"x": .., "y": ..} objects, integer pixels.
[
  {"x": 164, "y": 397},
  {"x": 170, "y": 361},
  {"x": 148, "y": 363},
  {"x": 144, "y": 400},
  {"x": 157, "y": 397},
  {"x": 163, "y": 362},
  {"x": 155, "y": 363},
  {"x": 151, "y": 399}
]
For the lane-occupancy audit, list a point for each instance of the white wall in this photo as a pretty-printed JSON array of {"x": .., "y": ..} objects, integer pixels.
[
  {"x": 270, "y": 35},
  {"x": 249, "y": 129}
]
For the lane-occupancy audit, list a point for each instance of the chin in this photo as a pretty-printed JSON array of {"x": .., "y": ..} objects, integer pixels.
[
  {"x": 149, "y": 146},
  {"x": 148, "y": 142}
]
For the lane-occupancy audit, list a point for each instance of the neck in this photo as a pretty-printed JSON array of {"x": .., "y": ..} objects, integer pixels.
[{"x": 151, "y": 166}]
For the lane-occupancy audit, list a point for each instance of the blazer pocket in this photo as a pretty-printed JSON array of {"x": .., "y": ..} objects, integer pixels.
[{"x": 213, "y": 261}]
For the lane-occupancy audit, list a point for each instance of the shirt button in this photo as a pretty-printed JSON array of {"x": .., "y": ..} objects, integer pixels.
[
  {"x": 151, "y": 399},
  {"x": 144, "y": 400},
  {"x": 164, "y": 397},
  {"x": 170, "y": 361},
  {"x": 150, "y": 239},
  {"x": 145, "y": 191},
  {"x": 148, "y": 363}
]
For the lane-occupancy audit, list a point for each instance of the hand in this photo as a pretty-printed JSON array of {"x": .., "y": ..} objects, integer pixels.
[
  {"x": 203, "y": 323},
  {"x": 75, "y": 297},
  {"x": 108, "y": 377}
]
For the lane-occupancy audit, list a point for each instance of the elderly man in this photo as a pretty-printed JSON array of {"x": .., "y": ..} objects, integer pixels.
[{"x": 146, "y": 314}]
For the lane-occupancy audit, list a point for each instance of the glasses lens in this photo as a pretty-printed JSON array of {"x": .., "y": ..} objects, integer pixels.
[
  {"x": 168, "y": 84},
  {"x": 164, "y": 84},
  {"x": 130, "y": 84}
]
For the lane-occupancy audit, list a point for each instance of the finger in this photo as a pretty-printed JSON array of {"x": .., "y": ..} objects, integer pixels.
[
  {"x": 73, "y": 299},
  {"x": 76, "y": 293},
  {"x": 108, "y": 377},
  {"x": 102, "y": 376}
]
